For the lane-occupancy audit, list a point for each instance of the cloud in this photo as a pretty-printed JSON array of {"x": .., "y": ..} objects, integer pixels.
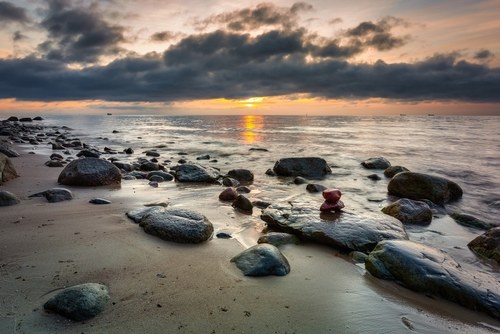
[
  {"x": 79, "y": 34},
  {"x": 484, "y": 55},
  {"x": 165, "y": 36},
  {"x": 262, "y": 15},
  {"x": 18, "y": 36},
  {"x": 11, "y": 13}
]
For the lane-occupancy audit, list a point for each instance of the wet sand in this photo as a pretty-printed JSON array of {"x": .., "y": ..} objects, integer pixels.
[{"x": 163, "y": 287}]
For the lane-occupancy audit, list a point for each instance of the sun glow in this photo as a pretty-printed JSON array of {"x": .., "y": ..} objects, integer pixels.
[{"x": 252, "y": 102}]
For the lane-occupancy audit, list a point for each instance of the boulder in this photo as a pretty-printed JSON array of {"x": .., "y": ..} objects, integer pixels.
[
  {"x": 243, "y": 204},
  {"x": 262, "y": 260},
  {"x": 55, "y": 195},
  {"x": 152, "y": 153},
  {"x": 196, "y": 173},
  {"x": 79, "y": 302},
  {"x": 376, "y": 163},
  {"x": 230, "y": 182},
  {"x": 470, "y": 221},
  {"x": 164, "y": 175},
  {"x": 177, "y": 225},
  {"x": 54, "y": 163},
  {"x": 487, "y": 245},
  {"x": 422, "y": 186},
  {"x": 89, "y": 154},
  {"x": 340, "y": 230},
  {"x": 315, "y": 188},
  {"x": 228, "y": 194},
  {"x": 7, "y": 170},
  {"x": 311, "y": 167},
  {"x": 9, "y": 152},
  {"x": 393, "y": 170},
  {"x": 138, "y": 214},
  {"x": 7, "y": 198},
  {"x": 278, "y": 239},
  {"x": 90, "y": 172},
  {"x": 242, "y": 175},
  {"x": 409, "y": 211},
  {"x": 428, "y": 270},
  {"x": 149, "y": 166},
  {"x": 300, "y": 180}
]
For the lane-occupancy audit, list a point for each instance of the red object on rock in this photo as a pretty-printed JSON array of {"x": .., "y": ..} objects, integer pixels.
[
  {"x": 332, "y": 195},
  {"x": 327, "y": 206}
]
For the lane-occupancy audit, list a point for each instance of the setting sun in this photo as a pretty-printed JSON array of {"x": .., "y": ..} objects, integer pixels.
[{"x": 252, "y": 102}]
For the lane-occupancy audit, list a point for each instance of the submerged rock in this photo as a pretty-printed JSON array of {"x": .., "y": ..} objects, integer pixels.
[
  {"x": 243, "y": 204},
  {"x": 177, "y": 225},
  {"x": 262, "y": 260},
  {"x": 376, "y": 163},
  {"x": 311, "y": 167},
  {"x": 425, "y": 269},
  {"x": 55, "y": 195},
  {"x": 196, "y": 173},
  {"x": 315, "y": 188},
  {"x": 7, "y": 198},
  {"x": 393, "y": 170},
  {"x": 409, "y": 211},
  {"x": 79, "y": 302},
  {"x": 7, "y": 170},
  {"x": 90, "y": 172},
  {"x": 242, "y": 175},
  {"x": 278, "y": 239},
  {"x": 422, "y": 186},
  {"x": 487, "y": 245},
  {"x": 339, "y": 230},
  {"x": 470, "y": 221}
]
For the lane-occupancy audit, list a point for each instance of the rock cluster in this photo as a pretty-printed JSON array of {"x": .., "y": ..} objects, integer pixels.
[{"x": 332, "y": 200}]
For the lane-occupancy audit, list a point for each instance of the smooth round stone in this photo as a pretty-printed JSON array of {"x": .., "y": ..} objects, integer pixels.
[{"x": 332, "y": 195}]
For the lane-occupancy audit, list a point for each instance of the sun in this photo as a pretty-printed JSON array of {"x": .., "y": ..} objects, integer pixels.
[{"x": 252, "y": 102}]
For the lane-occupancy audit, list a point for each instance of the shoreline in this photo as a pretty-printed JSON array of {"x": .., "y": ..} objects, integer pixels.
[{"x": 162, "y": 286}]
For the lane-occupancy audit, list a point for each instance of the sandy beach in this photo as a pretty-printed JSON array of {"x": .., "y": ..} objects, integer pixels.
[{"x": 163, "y": 287}]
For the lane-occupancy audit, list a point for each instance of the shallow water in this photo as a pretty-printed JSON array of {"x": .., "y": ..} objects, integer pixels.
[{"x": 462, "y": 149}]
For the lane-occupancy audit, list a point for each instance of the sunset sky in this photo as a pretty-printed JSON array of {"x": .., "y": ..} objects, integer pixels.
[{"x": 250, "y": 57}]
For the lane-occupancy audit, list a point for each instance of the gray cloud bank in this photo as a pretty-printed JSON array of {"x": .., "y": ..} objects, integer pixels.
[{"x": 231, "y": 62}]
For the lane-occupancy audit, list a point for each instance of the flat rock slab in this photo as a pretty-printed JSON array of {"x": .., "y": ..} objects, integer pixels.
[
  {"x": 90, "y": 172},
  {"x": 428, "y": 270},
  {"x": 79, "y": 302},
  {"x": 178, "y": 225},
  {"x": 340, "y": 230},
  {"x": 196, "y": 173},
  {"x": 55, "y": 195},
  {"x": 420, "y": 186},
  {"x": 312, "y": 167},
  {"x": 262, "y": 260}
]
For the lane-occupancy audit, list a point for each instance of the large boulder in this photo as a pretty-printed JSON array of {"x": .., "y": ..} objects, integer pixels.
[
  {"x": 376, "y": 163},
  {"x": 178, "y": 225},
  {"x": 340, "y": 230},
  {"x": 79, "y": 302},
  {"x": 90, "y": 172},
  {"x": 311, "y": 167},
  {"x": 262, "y": 260},
  {"x": 428, "y": 270},
  {"x": 409, "y": 211},
  {"x": 7, "y": 198},
  {"x": 196, "y": 173},
  {"x": 423, "y": 186},
  {"x": 7, "y": 170},
  {"x": 487, "y": 244}
]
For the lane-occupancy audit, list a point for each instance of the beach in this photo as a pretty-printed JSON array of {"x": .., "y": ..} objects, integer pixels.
[{"x": 158, "y": 286}]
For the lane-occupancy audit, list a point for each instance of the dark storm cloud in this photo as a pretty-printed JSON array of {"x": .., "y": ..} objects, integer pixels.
[
  {"x": 264, "y": 14},
  {"x": 12, "y": 13},
  {"x": 378, "y": 35},
  {"x": 483, "y": 55},
  {"x": 79, "y": 34}
]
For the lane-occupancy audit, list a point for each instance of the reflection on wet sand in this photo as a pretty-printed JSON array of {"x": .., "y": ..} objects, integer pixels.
[{"x": 251, "y": 123}]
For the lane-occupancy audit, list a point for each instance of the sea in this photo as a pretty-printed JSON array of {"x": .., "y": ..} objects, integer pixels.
[{"x": 464, "y": 149}]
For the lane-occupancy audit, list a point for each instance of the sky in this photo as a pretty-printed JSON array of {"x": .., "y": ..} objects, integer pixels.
[{"x": 372, "y": 57}]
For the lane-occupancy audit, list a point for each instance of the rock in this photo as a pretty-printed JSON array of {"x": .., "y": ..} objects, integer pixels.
[
  {"x": 26, "y": 119},
  {"x": 9, "y": 152},
  {"x": 164, "y": 175},
  {"x": 57, "y": 146},
  {"x": 177, "y": 225},
  {"x": 332, "y": 195},
  {"x": 128, "y": 150},
  {"x": 99, "y": 201},
  {"x": 358, "y": 257},
  {"x": 153, "y": 184},
  {"x": 243, "y": 204},
  {"x": 260, "y": 204},
  {"x": 54, "y": 163},
  {"x": 311, "y": 167},
  {"x": 339, "y": 230},
  {"x": 152, "y": 154},
  {"x": 90, "y": 172},
  {"x": 393, "y": 170},
  {"x": 223, "y": 235},
  {"x": 243, "y": 190},
  {"x": 55, "y": 156},
  {"x": 258, "y": 149},
  {"x": 270, "y": 172},
  {"x": 149, "y": 166},
  {"x": 262, "y": 260},
  {"x": 409, "y": 211},
  {"x": 38, "y": 118},
  {"x": 487, "y": 245},
  {"x": 203, "y": 157},
  {"x": 55, "y": 195},
  {"x": 88, "y": 154},
  {"x": 7, "y": 170},
  {"x": 300, "y": 180},
  {"x": 123, "y": 166},
  {"x": 156, "y": 178},
  {"x": 374, "y": 177},
  {"x": 230, "y": 182},
  {"x": 315, "y": 188},
  {"x": 7, "y": 198},
  {"x": 242, "y": 175},
  {"x": 228, "y": 194},
  {"x": 13, "y": 119},
  {"x": 422, "y": 186},
  {"x": 196, "y": 173},
  {"x": 470, "y": 221},
  {"x": 138, "y": 214},
  {"x": 278, "y": 239},
  {"x": 79, "y": 302},
  {"x": 376, "y": 163},
  {"x": 428, "y": 270},
  {"x": 328, "y": 206}
]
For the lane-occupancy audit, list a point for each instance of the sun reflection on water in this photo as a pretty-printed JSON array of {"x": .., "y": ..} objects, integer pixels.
[{"x": 251, "y": 124}]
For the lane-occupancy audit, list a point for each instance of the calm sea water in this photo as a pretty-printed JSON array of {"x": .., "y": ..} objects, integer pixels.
[{"x": 463, "y": 149}]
